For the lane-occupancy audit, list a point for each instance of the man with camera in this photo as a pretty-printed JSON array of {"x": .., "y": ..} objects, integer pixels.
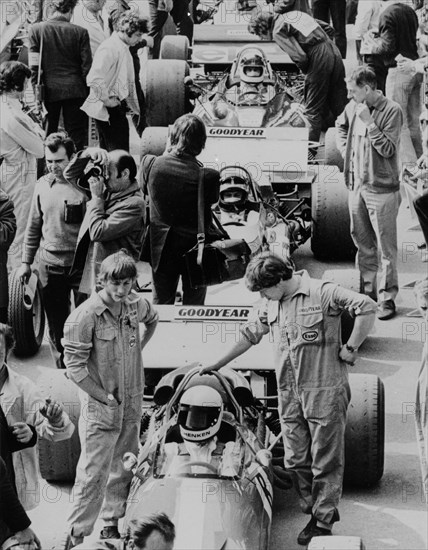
[
  {"x": 114, "y": 216},
  {"x": 57, "y": 211}
]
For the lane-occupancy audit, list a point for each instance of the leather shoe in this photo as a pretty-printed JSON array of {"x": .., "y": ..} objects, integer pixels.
[
  {"x": 110, "y": 532},
  {"x": 311, "y": 530},
  {"x": 386, "y": 310}
]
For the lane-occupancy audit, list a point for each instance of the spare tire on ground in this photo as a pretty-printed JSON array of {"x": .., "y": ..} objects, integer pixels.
[{"x": 26, "y": 314}]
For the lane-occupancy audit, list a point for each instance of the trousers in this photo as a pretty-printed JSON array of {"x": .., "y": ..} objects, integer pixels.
[
  {"x": 102, "y": 485},
  {"x": 374, "y": 231}
]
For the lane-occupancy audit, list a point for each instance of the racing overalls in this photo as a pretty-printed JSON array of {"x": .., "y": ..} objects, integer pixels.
[
  {"x": 313, "y": 388},
  {"x": 106, "y": 348}
]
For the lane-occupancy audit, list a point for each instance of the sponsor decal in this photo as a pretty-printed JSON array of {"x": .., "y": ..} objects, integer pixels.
[
  {"x": 264, "y": 486},
  {"x": 212, "y": 313},
  {"x": 237, "y": 132},
  {"x": 309, "y": 309},
  {"x": 310, "y": 335}
]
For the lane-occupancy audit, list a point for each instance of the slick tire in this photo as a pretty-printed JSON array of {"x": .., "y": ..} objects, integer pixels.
[
  {"x": 174, "y": 47},
  {"x": 332, "y": 155},
  {"x": 26, "y": 316},
  {"x": 153, "y": 141},
  {"x": 164, "y": 90},
  {"x": 331, "y": 227},
  {"x": 365, "y": 431},
  {"x": 352, "y": 280},
  {"x": 58, "y": 460}
]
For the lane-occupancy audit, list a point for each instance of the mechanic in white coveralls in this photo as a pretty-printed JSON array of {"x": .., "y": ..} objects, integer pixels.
[
  {"x": 103, "y": 344},
  {"x": 302, "y": 316}
]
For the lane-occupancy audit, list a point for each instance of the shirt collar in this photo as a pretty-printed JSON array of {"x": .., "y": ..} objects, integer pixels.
[
  {"x": 120, "y": 43},
  {"x": 380, "y": 101},
  {"x": 101, "y": 306},
  {"x": 305, "y": 283}
]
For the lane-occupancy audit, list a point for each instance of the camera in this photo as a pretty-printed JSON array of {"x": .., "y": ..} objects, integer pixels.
[{"x": 96, "y": 171}]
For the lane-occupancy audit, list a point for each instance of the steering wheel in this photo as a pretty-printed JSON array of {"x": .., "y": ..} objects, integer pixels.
[{"x": 201, "y": 463}]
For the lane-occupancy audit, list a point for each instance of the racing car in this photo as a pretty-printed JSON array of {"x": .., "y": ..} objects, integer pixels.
[
  {"x": 218, "y": 496},
  {"x": 261, "y": 129}
]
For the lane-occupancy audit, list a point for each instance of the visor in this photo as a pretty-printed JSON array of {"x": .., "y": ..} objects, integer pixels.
[{"x": 192, "y": 417}]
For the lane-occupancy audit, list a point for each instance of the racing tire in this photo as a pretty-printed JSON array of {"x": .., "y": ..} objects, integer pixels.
[
  {"x": 164, "y": 90},
  {"x": 365, "y": 431},
  {"x": 58, "y": 460},
  {"x": 153, "y": 141},
  {"x": 352, "y": 280},
  {"x": 331, "y": 227},
  {"x": 332, "y": 155},
  {"x": 174, "y": 47},
  {"x": 26, "y": 316}
]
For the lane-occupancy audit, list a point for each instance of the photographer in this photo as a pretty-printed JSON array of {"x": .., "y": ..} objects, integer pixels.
[
  {"x": 114, "y": 216},
  {"x": 56, "y": 214}
]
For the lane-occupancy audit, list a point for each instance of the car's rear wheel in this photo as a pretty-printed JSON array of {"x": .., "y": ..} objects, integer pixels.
[
  {"x": 174, "y": 47},
  {"x": 352, "y": 280},
  {"x": 153, "y": 141},
  {"x": 365, "y": 431},
  {"x": 331, "y": 232},
  {"x": 58, "y": 460},
  {"x": 332, "y": 155},
  {"x": 26, "y": 314},
  {"x": 164, "y": 90}
]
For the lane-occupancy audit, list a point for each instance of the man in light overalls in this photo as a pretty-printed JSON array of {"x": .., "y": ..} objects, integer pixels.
[{"x": 302, "y": 316}]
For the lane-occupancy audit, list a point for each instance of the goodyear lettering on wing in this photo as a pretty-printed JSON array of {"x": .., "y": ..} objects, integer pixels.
[
  {"x": 212, "y": 313},
  {"x": 237, "y": 132}
]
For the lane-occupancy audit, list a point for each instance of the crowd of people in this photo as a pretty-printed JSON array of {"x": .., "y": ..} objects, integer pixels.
[{"x": 87, "y": 221}]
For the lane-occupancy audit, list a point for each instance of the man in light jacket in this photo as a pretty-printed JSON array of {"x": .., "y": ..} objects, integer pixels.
[
  {"x": 368, "y": 137},
  {"x": 112, "y": 83}
]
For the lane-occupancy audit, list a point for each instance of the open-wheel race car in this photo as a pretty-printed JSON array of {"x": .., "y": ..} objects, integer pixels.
[
  {"x": 226, "y": 495},
  {"x": 255, "y": 123}
]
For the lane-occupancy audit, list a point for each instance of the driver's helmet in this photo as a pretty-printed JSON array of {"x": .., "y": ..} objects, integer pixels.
[
  {"x": 200, "y": 413},
  {"x": 251, "y": 67},
  {"x": 234, "y": 190}
]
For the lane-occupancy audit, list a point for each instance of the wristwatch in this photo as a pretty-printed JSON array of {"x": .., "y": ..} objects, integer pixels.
[
  {"x": 110, "y": 397},
  {"x": 351, "y": 349},
  {"x": 372, "y": 126}
]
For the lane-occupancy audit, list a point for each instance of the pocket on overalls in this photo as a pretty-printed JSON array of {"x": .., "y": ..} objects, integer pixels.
[
  {"x": 307, "y": 330},
  {"x": 106, "y": 337}
]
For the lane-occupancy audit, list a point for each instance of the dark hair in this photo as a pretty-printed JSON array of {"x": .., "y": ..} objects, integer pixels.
[
  {"x": 12, "y": 76},
  {"x": 363, "y": 76},
  {"x": 63, "y": 6},
  {"x": 140, "y": 529},
  {"x": 60, "y": 139},
  {"x": 187, "y": 135},
  {"x": 121, "y": 159},
  {"x": 9, "y": 338},
  {"x": 266, "y": 270},
  {"x": 260, "y": 23},
  {"x": 130, "y": 23},
  {"x": 118, "y": 266}
]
